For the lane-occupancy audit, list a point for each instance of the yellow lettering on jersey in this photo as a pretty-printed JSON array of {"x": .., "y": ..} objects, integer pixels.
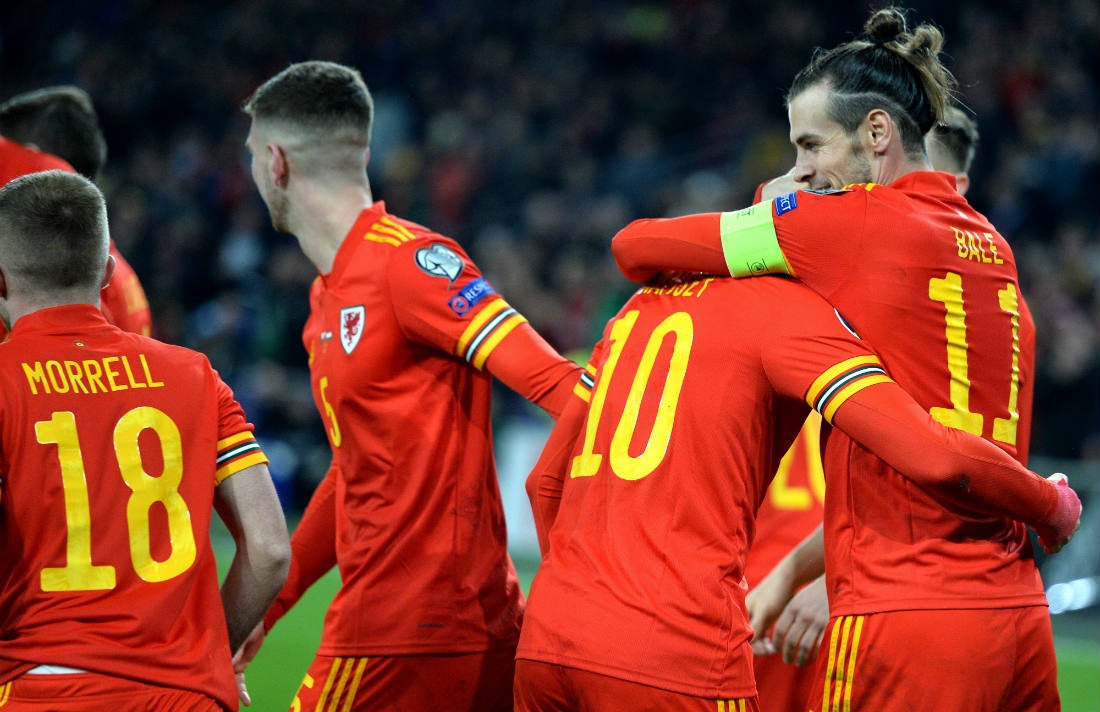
[
  {"x": 993, "y": 248},
  {"x": 973, "y": 246},
  {"x": 695, "y": 288},
  {"x": 89, "y": 376},
  {"x": 152, "y": 383}
]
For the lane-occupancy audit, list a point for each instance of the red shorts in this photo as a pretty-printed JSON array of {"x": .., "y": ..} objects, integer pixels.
[
  {"x": 83, "y": 691},
  {"x": 477, "y": 682},
  {"x": 983, "y": 660},
  {"x": 780, "y": 686},
  {"x": 545, "y": 687}
]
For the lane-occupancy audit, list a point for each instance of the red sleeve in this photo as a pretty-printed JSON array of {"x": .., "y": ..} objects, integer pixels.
[
  {"x": 547, "y": 479},
  {"x": 313, "y": 548},
  {"x": 953, "y": 465},
  {"x": 532, "y": 368},
  {"x": 691, "y": 243},
  {"x": 441, "y": 300}
]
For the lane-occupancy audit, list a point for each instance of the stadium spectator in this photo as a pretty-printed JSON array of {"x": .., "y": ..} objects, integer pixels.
[
  {"x": 403, "y": 336},
  {"x": 117, "y": 448},
  {"x": 898, "y": 247},
  {"x": 62, "y": 121}
]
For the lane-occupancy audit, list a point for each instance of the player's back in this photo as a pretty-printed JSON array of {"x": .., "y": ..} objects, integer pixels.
[
  {"x": 933, "y": 286},
  {"x": 110, "y": 443},
  {"x": 685, "y": 428}
]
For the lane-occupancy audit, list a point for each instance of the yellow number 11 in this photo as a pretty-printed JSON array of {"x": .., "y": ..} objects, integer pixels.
[{"x": 949, "y": 291}]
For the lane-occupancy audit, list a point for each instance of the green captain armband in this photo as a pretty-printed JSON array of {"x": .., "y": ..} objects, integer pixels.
[{"x": 749, "y": 242}]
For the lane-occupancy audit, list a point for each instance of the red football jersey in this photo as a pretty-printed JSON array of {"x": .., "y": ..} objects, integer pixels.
[
  {"x": 933, "y": 286},
  {"x": 399, "y": 333},
  {"x": 793, "y": 506},
  {"x": 112, "y": 446},
  {"x": 644, "y": 576},
  {"x": 123, "y": 300},
  {"x": 19, "y": 160}
]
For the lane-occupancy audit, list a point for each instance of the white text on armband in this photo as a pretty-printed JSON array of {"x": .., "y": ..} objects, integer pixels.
[
  {"x": 976, "y": 247},
  {"x": 89, "y": 376}
]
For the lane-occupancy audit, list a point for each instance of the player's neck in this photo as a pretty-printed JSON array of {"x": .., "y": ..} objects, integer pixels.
[{"x": 322, "y": 218}]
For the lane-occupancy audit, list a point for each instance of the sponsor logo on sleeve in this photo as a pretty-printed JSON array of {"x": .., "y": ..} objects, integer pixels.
[
  {"x": 785, "y": 204},
  {"x": 439, "y": 261},
  {"x": 468, "y": 297},
  {"x": 351, "y": 327}
]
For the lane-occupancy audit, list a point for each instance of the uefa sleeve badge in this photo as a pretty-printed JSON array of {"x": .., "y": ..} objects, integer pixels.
[{"x": 439, "y": 261}]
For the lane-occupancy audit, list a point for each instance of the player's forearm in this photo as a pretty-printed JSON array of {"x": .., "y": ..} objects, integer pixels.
[
  {"x": 547, "y": 479},
  {"x": 955, "y": 466},
  {"x": 685, "y": 244},
  {"x": 528, "y": 365},
  {"x": 313, "y": 549},
  {"x": 251, "y": 584}
]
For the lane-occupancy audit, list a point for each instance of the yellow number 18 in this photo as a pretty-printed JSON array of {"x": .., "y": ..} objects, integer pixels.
[{"x": 79, "y": 573}]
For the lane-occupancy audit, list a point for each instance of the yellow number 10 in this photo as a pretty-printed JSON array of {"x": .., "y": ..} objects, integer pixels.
[
  {"x": 79, "y": 573},
  {"x": 949, "y": 291},
  {"x": 623, "y": 464}
]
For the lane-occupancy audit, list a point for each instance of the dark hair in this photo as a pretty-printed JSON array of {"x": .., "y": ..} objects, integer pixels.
[
  {"x": 957, "y": 134},
  {"x": 59, "y": 120},
  {"x": 891, "y": 69},
  {"x": 53, "y": 231},
  {"x": 317, "y": 96}
]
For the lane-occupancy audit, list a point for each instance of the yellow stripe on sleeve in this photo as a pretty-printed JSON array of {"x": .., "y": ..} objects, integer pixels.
[
  {"x": 848, "y": 391},
  {"x": 822, "y": 381},
  {"x": 235, "y": 438},
  {"x": 494, "y": 339},
  {"x": 749, "y": 242},
  {"x": 583, "y": 393},
  {"x": 488, "y": 312},
  {"x": 234, "y": 466},
  {"x": 395, "y": 228}
]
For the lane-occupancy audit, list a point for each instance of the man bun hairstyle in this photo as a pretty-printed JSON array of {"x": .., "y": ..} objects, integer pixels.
[{"x": 890, "y": 68}]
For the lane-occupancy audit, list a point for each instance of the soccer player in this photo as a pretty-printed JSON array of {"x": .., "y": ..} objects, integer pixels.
[
  {"x": 403, "y": 336},
  {"x": 793, "y": 507},
  {"x": 933, "y": 285},
  {"x": 647, "y": 510},
  {"x": 116, "y": 450},
  {"x": 62, "y": 121}
]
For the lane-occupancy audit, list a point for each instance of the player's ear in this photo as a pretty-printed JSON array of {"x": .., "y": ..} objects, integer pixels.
[
  {"x": 879, "y": 130},
  {"x": 279, "y": 166},
  {"x": 962, "y": 183},
  {"x": 108, "y": 271}
]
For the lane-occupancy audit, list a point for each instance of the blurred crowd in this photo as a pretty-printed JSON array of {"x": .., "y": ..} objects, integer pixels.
[{"x": 531, "y": 132}]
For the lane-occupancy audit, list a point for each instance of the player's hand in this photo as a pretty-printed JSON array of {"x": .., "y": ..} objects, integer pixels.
[
  {"x": 799, "y": 629},
  {"x": 243, "y": 657},
  {"x": 781, "y": 186},
  {"x": 1067, "y": 517},
  {"x": 242, "y": 691},
  {"x": 765, "y": 603}
]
